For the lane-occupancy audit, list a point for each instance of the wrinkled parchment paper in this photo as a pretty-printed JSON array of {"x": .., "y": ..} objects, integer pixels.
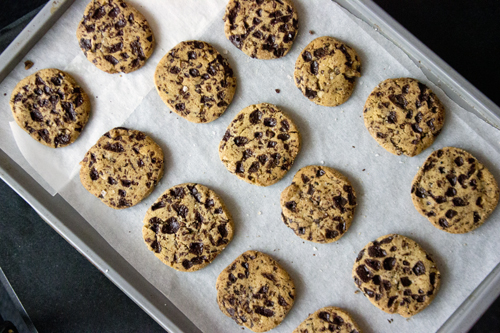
[{"x": 334, "y": 137}]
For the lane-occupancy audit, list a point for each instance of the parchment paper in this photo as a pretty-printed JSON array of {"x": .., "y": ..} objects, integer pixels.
[{"x": 334, "y": 137}]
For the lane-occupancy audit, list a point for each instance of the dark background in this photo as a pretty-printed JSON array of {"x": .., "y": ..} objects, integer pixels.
[{"x": 63, "y": 292}]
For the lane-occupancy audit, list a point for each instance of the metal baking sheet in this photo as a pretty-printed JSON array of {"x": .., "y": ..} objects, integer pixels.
[{"x": 71, "y": 226}]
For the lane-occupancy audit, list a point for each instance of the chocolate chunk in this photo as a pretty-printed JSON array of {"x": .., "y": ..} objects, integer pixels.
[
  {"x": 376, "y": 251},
  {"x": 222, "y": 230},
  {"x": 325, "y": 316},
  {"x": 112, "y": 60},
  {"x": 270, "y": 122},
  {"x": 158, "y": 205},
  {"x": 374, "y": 264},
  {"x": 459, "y": 202},
  {"x": 171, "y": 226},
  {"x": 69, "y": 111},
  {"x": 311, "y": 94},
  {"x": 477, "y": 217},
  {"x": 419, "y": 268},
  {"x": 62, "y": 140},
  {"x": 391, "y": 300},
  {"x": 114, "y": 147},
  {"x": 405, "y": 281},
  {"x": 389, "y": 263},
  {"x": 36, "y": 116},
  {"x": 329, "y": 234},
  {"x": 85, "y": 44},
  {"x": 240, "y": 141},
  {"x": 451, "y": 192},
  {"x": 364, "y": 274},
  {"x": 239, "y": 167},
  {"x": 99, "y": 13},
  {"x": 94, "y": 175},
  {"x": 398, "y": 100},
  {"x": 263, "y": 312},
  {"x": 194, "y": 72},
  {"x": 314, "y": 68},
  {"x": 370, "y": 293},
  {"x": 450, "y": 213},
  {"x": 291, "y": 205},
  {"x": 306, "y": 56},
  {"x": 115, "y": 48},
  {"x": 255, "y": 117},
  {"x": 459, "y": 161},
  {"x": 392, "y": 118},
  {"x": 443, "y": 223},
  {"x": 452, "y": 179},
  {"x": 187, "y": 264},
  {"x": 196, "y": 248}
]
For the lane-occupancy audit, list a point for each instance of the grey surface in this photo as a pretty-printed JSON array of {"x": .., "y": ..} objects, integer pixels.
[{"x": 63, "y": 292}]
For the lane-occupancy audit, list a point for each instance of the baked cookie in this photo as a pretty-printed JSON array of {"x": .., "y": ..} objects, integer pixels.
[
  {"x": 255, "y": 291},
  {"x": 404, "y": 116},
  {"x": 195, "y": 81},
  {"x": 114, "y": 36},
  {"x": 396, "y": 275},
  {"x": 328, "y": 319},
  {"x": 326, "y": 71},
  {"x": 122, "y": 168},
  {"x": 262, "y": 29},
  {"x": 260, "y": 144},
  {"x": 51, "y": 107},
  {"x": 187, "y": 227},
  {"x": 319, "y": 205},
  {"x": 454, "y": 191}
]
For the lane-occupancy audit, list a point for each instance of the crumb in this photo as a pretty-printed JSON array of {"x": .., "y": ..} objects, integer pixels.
[
  {"x": 260, "y": 213},
  {"x": 311, "y": 32},
  {"x": 357, "y": 291},
  {"x": 314, "y": 254},
  {"x": 277, "y": 91},
  {"x": 390, "y": 320},
  {"x": 377, "y": 155},
  {"x": 364, "y": 169},
  {"x": 5, "y": 94},
  {"x": 353, "y": 147},
  {"x": 28, "y": 64}
]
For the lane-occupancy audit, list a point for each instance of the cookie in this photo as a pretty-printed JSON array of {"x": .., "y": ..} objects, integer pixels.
[
  {"x": 255, "y": 291},
  {"x": 396, "y": 275},
  {"x": 328, "y": 319},
  {"x": 187, "y": 227},
  {"x": 114, "y": 36},
  {"x": 454, "y": 191},
  {"x": 319, "y": 205},
  {"x": 262, "y": 29},
  {"x": 326, "y": 71},
  {"x": 51, "y": 107},
  {"x": 260, "y": 144},
  {"x": 404, "y": 116},
  {"x": 122, "y": 168},
  {"x": 195, "y": 81}
]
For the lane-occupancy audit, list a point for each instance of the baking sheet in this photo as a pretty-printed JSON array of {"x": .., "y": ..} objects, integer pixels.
[{"x": 335, "y": 137}]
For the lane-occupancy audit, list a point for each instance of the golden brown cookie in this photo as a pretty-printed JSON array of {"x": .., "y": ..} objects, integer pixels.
[
  {"x": 319, "y": 204},
  {"x": 396, "y": 275},
  {"x": 262, "y": 29},
  {"x": 122, "y": 168},
  {"x": 454, "y": 191},
  {"x": 51, "y": 107},
  {"x": 195, "y": 81},
  {"x": 187, "y": 227},
  {"x": 404, "y": 116},
  {"x": 326, "y": 71},
  {"x": 255, "y": 291},
  {"x": 328, "y": 319},
  {"x": 260, "y": 144},
  {"x": 115, "y": 36}
]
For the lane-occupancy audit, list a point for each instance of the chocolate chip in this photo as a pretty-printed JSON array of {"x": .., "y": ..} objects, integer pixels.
[
  {"x": 112, "y": 181},
  {"x": 69, "y": 111},
  {"x": 158, "y": 205},
  {"x": 418, "y": 117},
  {"x": 194, "y": 72},
  {"x": 370, "y": 293},
  {"x": 452, "y": 179},
  {"x": 377, "y": 280},
  {"x": 255, "y": 117},
  {"x": 36, "y": 115},
  {"x": 311, "y": 94},
  {"x": 44, "y": 134},
  {"x": 171, "y": 226},
  {"x": 391, "y": 300},
  {"x": 451, "y": 192},
  {"x": 180, "y": 107},
  {"x": 283, "y": 137},
  {"x": 329, "y": 234},
  {"x": 386, "y": 284},
  {"x": 450, "y": 213},
  {"x": 254, "y": 167},
  {"x": 325, "y": 316},
  {"x": 459, "y": 202},
  {"x": 62, "y": 139},
  {"x": 477, "y": 217},
  {"x": 419, "y": 268},
  {"x": 392, "y": 118},
  {"x": 115, "y": 48},
  {"x": 222, "y": 230},
  {"x": 239, "y": 167},
  {"x": 398, "y": 100},
  {"x": 360, "y": 255},
  {"x": 187, "y": 264}
]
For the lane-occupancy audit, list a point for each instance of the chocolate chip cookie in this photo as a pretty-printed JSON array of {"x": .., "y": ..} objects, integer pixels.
[
  {"x": 260, "y": 144},
  {"x": 328, "y": 319},
  {"x": 187, "y": 227},
  {"x": 396, "y": 275},
  {"x": 114, "y": 36},
  {"x": 51, "y": 107},
  {"x": 195, "y": 81},
  {"x": 122, "y": 168},
  {"x": 319, "y": 205},
  {"x": 255, "y": 291},
  {"x": 262, "y": 29},
  {"x": 454, "y": 191},
  {"x": 404, "y": 116},
  {"x": 326, "y": 71}
]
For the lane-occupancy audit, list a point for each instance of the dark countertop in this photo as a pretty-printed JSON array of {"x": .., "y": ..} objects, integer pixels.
[{"x": 63, "y": 292}]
